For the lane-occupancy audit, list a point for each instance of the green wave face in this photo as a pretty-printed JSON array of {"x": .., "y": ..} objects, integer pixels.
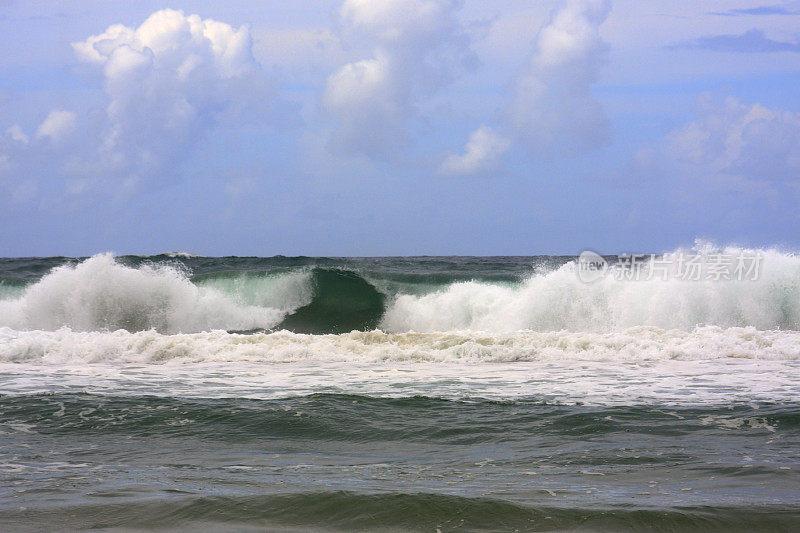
[{"x": 343, "y": 301}]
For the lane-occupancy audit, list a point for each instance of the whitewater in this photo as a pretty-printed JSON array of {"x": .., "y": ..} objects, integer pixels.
[
  {"x": 406, "y": 393},
  {"x": 102, "y": 294},
  {"x": 410, "y": 320}
]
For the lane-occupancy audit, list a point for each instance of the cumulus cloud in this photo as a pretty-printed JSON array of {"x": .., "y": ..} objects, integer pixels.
[
  {"x": 368, "y": 103},
  {"x": 553, "y": 102},
  {"x": 481, "y": 154},
  {"x": 416, "y": 47},
  {"x": 16, "y": 134},
  {"x": 734, "y": 139},
  {"x": 722, "y": 170},
  {"x": 58, "y": 125},
  {"x": 176, "y": 41},
  {"x": 552, "y": 106},
  {"x": 167, "y": 81},
  {"x": 26, "y": 157}
]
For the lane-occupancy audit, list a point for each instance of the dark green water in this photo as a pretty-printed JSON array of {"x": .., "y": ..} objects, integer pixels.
[{"x": 338, "y": 462}]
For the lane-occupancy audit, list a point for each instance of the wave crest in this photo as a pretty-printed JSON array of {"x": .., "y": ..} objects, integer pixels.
[
  {"x": 558, "y": 300},
  {"x": 102, "y": 294}
]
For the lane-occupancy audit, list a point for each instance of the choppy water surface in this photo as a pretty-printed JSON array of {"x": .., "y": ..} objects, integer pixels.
[{"x": 474, "y": 394}]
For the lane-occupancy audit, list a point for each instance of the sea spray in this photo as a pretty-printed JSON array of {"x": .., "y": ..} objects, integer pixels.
[
  {"x": 558, "y": 300},
  {"x": 103, "y": 293}
]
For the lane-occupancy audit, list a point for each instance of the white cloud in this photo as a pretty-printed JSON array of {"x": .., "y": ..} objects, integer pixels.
[
  {"x": 735, "y": 139},
  {"x": 722, "y": 170},
  {"x": 553, "y": 104},
  {"x": 16, "y": 134},
  {"x": 57, "y": 126},
  {"x": 403, "y": 23},
  {"x": 175, "y": 39},
  {"x": 416, "y": 47},
  {"x": 506, "y": 34},
  {"x": 97, "y": 48},
  {"x": 368, "y": 104},
  {"x": 481, "y": 154},
  {"x": 167, "y": 82}
]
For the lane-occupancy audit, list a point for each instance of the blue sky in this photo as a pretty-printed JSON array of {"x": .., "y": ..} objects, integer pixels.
[{"x": 397, "y": 127}]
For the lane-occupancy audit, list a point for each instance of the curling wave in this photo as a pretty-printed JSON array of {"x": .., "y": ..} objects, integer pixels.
[{"x": 103, "y": 293}]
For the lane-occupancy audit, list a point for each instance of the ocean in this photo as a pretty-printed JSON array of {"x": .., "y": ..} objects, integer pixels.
[{"x": 185, "y": 393}]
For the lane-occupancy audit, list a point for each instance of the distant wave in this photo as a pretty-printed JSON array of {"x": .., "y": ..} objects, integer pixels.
[
  {"x": 184, "y": 255},
  {"x": 103, "y": 294}
]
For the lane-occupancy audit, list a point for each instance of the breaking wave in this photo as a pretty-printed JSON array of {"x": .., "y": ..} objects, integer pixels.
[
  {"x": 103, "y": 294},
  {"x": 558, "y": 300}
]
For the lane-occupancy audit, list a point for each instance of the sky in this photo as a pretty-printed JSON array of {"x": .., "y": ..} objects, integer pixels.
[{"x": 397, "y": 127}]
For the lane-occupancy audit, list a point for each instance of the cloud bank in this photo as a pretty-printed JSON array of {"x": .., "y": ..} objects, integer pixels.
[
  {"x": 171, "y": 80},
  {"x": 394, "y": 89}
]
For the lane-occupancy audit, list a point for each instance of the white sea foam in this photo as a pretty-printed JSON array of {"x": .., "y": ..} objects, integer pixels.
[
  {"x": 558, "y": 300},
  {"x": 102, "y": 294},
  {"x": 640, "y": 345},
  {"x": 662, "y": 382},
  {"x": 182, "y": 255},
  {"x": 550, "y": 337}
]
